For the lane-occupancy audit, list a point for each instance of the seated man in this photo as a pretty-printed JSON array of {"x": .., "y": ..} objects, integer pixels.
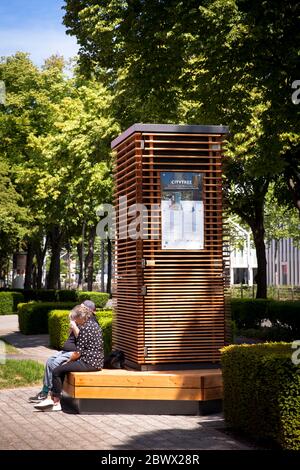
[{"x": 61, "y": 357}]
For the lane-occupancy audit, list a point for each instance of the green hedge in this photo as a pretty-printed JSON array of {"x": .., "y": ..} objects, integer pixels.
[
  {"x": 48, "y": 295},
  {"x": 248, "y": 313},
  {"x": 66, "y": 295},
  {"x": 9, "y": 302},
  {"x": 286, "y": 313},
  {"x": 266, "y": 333},
  {"x": 262, "y": 392},
  {"x": 99, "y": 298},
  {"x": 33, "y": 316},
  {"x": 58, "y": 327},
  {"x": 60, "y": 295},
  {"x": 58, "y": 323}
]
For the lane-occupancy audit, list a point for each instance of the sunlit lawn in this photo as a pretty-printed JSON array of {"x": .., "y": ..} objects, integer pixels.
[{"x": 16, "y": 373}]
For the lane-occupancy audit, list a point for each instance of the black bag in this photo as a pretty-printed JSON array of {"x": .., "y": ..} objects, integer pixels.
[{"x": 115, "y": 360}]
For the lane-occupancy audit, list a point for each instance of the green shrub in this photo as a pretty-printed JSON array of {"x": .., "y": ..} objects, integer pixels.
[
  {"x": 9, "y": 302},
  {"x": 44, "y": 295},
  {"x": 33, "y": 316},
  {"x": 267, "y": 333},
  {"x": 49, "y": 295},
  {"x": 65, "y": 295},
  {"x": 99, "y": 298},
  {"x": 286, "y": 313},
  {"x": 233, "y": 331},
  {"x": 61, "y": 295},
  {"x": 105, "y": 321},
  {"x": 248, "y": 313},
  {"x": 262, "y": 392},
  {"x": 59, "y": 328}
]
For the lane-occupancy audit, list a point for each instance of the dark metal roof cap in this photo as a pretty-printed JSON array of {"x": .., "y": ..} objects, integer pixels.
[{"x": 169, "y": 128}]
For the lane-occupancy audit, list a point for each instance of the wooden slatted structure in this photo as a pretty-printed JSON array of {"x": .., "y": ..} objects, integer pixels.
[{"x": 170, "y": 304}]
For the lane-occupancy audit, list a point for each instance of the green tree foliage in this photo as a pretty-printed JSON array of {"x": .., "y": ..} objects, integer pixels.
[
  {"x": 55, "y": 133},
  {"x": 137, "y": 49},
  {"x": 13, "y": 216},
  {"x": 281, "y": 221},
  {"x": 211, "y": 61}
]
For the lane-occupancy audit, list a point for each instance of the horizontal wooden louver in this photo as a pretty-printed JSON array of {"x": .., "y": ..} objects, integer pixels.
[{"x": 170, "y": 304}]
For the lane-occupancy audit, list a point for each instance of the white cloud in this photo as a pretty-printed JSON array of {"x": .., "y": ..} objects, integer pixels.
[{"x": 40, "y": 43}]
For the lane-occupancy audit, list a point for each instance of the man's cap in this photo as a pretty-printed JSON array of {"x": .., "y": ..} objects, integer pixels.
[{"x": 89, "y": 304}]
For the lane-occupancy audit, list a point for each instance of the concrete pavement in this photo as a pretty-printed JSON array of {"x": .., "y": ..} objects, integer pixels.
[
  {"x": 23, "y": 427},
  {"x": 34, "y": 347}
]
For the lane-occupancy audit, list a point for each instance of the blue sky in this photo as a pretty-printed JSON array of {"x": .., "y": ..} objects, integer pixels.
[{"x": 34, "y": 26}]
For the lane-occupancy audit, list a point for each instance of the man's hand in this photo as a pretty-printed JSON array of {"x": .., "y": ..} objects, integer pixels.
[{"x": 75, "y": 355}]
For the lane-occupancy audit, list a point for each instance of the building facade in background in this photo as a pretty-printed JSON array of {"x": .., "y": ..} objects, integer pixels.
[{"x": 283, "y": 264}]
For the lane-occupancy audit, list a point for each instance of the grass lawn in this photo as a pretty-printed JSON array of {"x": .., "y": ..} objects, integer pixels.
[
  {"x": 9, "y": 348},
  {"x": 16, "y": 373}
]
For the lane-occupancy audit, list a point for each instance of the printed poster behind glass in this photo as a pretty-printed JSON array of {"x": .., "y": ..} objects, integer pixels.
[{"x": 182, "y": 211}]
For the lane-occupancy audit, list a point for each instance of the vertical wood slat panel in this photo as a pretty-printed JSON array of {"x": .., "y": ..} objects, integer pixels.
[
  {"x": 184, "y": 317},
  {"x": 128, "y": 325}
]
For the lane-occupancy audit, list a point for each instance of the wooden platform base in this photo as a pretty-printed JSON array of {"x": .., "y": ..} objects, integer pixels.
[{"x": 161, "y": 388}]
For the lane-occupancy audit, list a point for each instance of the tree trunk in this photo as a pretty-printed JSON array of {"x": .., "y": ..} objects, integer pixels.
[
  {"x": 29, "y": 263},
  {"x": 55, "y": 239},
  {"x": 89, "y": 261},
  {"x": 108, "y": 287},
  {"x": 80, "y": 262},
  {"x": 102, "y": 287},
  {"x": 258, "y": 230},
  {"x": 40, "y": 257},
  {"x": 292, "y": 174},
  {"x": 34, "y": 276},
  {"x": 68, "y": 246},
  {"x": 80, "y": 251}
]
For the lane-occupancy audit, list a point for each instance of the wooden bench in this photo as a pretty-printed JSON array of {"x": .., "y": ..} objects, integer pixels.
[{"x": 148, "y": 386}]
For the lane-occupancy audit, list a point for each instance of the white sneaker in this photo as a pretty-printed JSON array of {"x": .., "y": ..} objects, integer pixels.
[
  {"x": 47, "y": 403},
  {"x": 56, "y": 406}
]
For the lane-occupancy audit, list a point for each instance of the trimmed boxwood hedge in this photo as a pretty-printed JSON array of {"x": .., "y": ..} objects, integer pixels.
[
  {"x": 99, "y": 298},
  {"x": 61, "y": 295},
  {"x": 58, "y": 322},
  {"x": 9, "y": 302},
  {"x": 66, "y": 295},
  {"x": 262, "y": 392},
  {"x": 249, "y": 313},
  {"x": 33, "y": 316}
]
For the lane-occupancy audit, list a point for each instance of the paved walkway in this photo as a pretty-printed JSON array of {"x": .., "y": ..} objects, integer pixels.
[
  {"x": 30, "y": 346},
  {"x": 23, "y": 427}
]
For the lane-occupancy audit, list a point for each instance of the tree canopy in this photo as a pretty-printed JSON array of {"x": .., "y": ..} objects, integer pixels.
[
  {"x": 233, "y": 62},
  {"x": 55, "y": 133},
  {"x": 211, "y": 61}
]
